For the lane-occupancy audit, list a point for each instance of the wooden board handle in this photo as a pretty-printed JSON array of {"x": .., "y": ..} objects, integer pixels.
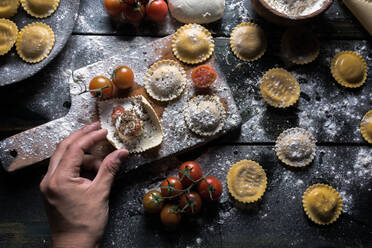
[{"x": 33, "y": 145}]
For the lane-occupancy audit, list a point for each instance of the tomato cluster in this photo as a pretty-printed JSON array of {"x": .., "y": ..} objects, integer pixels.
[
  {"x": 135, "y": 10},
  {"x": 102, "y": 87},
  {"x": 183, "y": 194}
]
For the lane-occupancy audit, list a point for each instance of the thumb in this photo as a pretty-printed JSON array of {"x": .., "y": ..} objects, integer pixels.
[{"x": 108, "y": 169}]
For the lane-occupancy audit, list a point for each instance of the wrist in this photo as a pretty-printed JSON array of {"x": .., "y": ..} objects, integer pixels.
[{"x": 74, "y": 240}]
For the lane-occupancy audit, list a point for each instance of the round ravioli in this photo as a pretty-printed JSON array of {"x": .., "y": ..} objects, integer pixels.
[
  {"x": 205, "y": 115},
  {"x": 279, "y": 88},
  {"x": 349, "y": 69},
  {"x": 192, "y": 44},
  {"x": 366, "y": 127},
  {"x": 248, "y": 41},
  {"x": 296, "y": 147},
  {"x": 246, "y": 181},
  {"x": 40, "y": 8},
  {"x": 8, "y": 35},
  {"x": 299, "y": 45},
  {"x": 165, "y": 80},
  {"x": 322, "y": 204},
  {"x": 8, "y": 8},
  {"x": 34, "y": 42}
]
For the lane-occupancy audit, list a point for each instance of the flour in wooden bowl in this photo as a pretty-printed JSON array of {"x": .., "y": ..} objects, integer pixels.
[{"x": 294, "y": 8}]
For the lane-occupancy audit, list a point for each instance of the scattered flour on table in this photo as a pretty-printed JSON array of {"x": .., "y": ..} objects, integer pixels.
[
  {"x": 363, "y": 165},
  {"x": 240, "y": 11}
]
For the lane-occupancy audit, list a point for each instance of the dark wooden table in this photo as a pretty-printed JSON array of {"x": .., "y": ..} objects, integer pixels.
[{"x": 332, "y": 113}]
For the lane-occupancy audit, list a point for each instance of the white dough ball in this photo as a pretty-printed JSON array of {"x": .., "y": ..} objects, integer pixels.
[{"x": 197, "y": 11}]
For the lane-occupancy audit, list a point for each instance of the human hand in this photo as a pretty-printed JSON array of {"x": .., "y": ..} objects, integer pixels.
[{"x": 77, "y": 207}]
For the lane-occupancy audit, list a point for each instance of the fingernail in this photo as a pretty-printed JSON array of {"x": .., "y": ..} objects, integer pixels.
[
  {"x": 94, "y": 123},
  {"x": 103, "y": 130}
]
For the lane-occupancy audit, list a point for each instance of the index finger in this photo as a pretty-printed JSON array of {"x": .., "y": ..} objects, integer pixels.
[{"x": 73, "y": 157}]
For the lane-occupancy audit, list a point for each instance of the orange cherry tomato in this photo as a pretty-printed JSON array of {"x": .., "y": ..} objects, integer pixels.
[
  {"x": 113, "y": 7},
  {"x": 123, "y": 77},
  {"x": 169, "y": 216},
  {"x": 152, "y": 202},
  {"x": 203, "y": 76},
  {"x": 101, "y": 86}
]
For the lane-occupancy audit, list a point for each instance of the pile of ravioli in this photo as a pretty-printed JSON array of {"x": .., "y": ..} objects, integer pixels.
[
  {"x": 34, "y": 41},
  {"x": 165, "y": 81},
  {"x": 294, "y": 147}
]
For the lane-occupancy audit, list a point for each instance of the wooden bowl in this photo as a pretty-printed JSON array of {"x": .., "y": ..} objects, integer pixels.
[{"x": 274, "y": 16}]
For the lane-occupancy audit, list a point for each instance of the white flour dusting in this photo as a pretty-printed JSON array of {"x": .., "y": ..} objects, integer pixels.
[
  {"x": 363, "y": 165},
  {"x": 293, "y": 8}
]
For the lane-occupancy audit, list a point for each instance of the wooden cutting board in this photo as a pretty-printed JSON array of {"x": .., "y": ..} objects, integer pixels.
[{"x": 39, "y": 143}]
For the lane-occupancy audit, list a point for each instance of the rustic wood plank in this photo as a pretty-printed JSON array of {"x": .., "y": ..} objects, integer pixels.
[
  {"x": 38, "y": 144},
  {"x": 45, "y": 96},
  {"x": 23, "y": 221},
  {"x": 337, "y": 22},
  {"x": 278, "y": 221}
]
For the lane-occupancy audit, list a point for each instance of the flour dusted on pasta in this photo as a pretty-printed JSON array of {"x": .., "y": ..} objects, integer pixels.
[{"x": 296, "y": 7}]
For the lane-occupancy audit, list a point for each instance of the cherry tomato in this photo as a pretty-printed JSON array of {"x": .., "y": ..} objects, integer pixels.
[
  {"x": 156, "y": 10},
  {"x": 118, "y": 110},
  {"x": 123, "y": 77},
  {"x": 152, "y": 202},
  {"x": 191, "y": 203},
  {"x": 101, "y": 82},
  {"x": 189, "y": 169},
  {"x": 210, "y": 188},
  {"x": 134, "y": 13},
  {"x": 203, "y": 76},
  {"x": 170, "y": 187},
  {"x": 113, "y": 7},
  {"x": 169, "y": 215}
]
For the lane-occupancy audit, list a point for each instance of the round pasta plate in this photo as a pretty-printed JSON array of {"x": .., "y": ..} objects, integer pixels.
[{"x": 12, "y": 68}]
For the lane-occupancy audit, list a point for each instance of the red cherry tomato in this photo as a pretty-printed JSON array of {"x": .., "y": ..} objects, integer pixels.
[
  {"x": 170, "y": 187},
  {"x": 113, "y": 7},
  {"x": 101, "y": 86},
  {"x": 123, "y": 77},
  {"x": 134, "y": 13},
  {"x": 189, "y": 170},
  {"x": 156, "y": 10},
  {"x": 203, "y": 76},
  {"x": 152, "y": 202},
  {"x": 170, "y": 216},
  {"x": 210, "y": 188},
  {"x": 191, "y": 203},
  {"x": 118, "y": 110}
]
